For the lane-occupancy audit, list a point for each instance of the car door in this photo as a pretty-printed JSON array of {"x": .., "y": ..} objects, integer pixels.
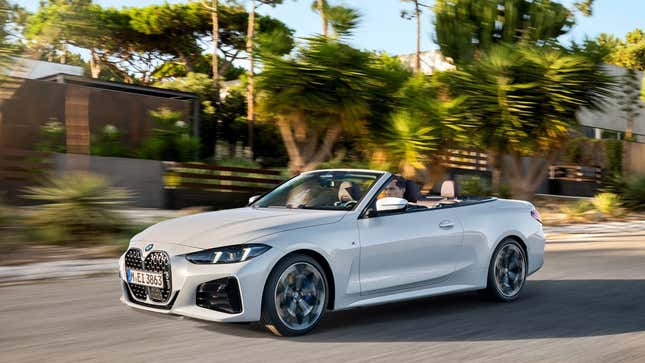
[{"x": 408, "y": 249}]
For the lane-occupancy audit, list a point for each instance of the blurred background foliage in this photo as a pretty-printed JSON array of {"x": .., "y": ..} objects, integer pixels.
[
  {"x": 319, "y": 101},
  {"x": 108, "y": 142},
  {"x": 170, "y": 139}
]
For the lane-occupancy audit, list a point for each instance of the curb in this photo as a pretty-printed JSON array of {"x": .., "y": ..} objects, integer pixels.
[{"x": 58, "y": 269}]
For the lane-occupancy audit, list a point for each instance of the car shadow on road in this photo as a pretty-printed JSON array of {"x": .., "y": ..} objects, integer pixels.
[{"x": 546, "y": 309}]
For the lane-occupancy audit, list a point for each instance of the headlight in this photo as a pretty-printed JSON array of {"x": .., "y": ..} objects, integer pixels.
[{"x": 229, "y": 254}]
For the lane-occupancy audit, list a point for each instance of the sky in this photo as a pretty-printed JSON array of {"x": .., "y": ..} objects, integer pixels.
[{"x": 383, "y": 29}]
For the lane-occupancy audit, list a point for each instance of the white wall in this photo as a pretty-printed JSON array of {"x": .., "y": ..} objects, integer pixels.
[{"x": 612, "y": 118}]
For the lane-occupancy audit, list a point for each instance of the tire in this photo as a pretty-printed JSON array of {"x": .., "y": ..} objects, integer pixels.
[
  {"x": 295, "y": 296},
  {"x": 507, "y": 271}
]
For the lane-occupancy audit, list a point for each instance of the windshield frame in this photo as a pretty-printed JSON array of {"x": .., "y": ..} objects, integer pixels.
[{"x": 365, "y": 196}]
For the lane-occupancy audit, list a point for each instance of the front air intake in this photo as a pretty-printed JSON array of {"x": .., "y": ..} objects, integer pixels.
[{"x": 220, "y": 295}]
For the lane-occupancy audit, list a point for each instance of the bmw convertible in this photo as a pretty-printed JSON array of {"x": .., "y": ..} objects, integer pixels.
[{"x": 330, "y": 240}]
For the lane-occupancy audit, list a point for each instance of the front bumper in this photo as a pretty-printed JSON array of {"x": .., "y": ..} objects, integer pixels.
[{"x": 186, "y": 277}]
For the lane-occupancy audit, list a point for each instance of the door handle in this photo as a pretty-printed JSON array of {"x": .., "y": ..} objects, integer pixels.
[{"x": 446, "y": 224}]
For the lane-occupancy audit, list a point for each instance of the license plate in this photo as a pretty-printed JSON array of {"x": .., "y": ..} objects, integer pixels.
[{"x": 144, "y": 278}]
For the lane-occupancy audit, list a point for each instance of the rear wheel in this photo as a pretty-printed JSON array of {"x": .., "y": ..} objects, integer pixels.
[
  {"x": 507, "y": 271},
  {"x": 295, "y": 296}
]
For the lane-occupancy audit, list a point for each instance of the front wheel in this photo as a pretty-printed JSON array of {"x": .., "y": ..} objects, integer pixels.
[
  {"x": 507, "y": 271},
  {"x": 295, "y": 296}
]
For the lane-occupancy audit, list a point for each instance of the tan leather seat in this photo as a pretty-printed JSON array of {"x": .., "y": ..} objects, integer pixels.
[{"x": 448, "y": 192}]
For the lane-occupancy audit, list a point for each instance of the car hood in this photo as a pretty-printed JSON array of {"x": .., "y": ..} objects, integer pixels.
[{"x": 234, "y": 226}]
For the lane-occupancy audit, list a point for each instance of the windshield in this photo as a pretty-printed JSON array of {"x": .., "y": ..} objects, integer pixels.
[{"x": 329, "y": 190}]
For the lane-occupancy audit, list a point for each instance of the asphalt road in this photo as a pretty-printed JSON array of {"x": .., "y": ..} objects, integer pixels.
[{"x": 586, "y": 305}]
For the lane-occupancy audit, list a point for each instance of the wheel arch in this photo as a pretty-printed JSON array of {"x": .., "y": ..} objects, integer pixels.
[
  {"x": 326, "y": 270},
  {"x": 517, "y": 239}
]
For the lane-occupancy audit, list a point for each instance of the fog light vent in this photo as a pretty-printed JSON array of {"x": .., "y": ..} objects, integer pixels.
[{"x": 220, "y": 295}]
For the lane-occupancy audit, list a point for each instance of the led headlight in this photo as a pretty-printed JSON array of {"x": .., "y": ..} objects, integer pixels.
[{"x": 228, "y": 254}]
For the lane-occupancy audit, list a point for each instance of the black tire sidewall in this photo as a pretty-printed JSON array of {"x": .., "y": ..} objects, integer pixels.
[
  {"x": 491, "y": 287},
  {"x": 270, "y": 316}
]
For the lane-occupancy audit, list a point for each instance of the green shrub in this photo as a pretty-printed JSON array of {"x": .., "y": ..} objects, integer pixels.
[
  {"x": 171, "y": 140},
  {"x": 577, "y": 208},
  {"x": 614, "y": 157},
  {"x": 613, "y": 184},
  {"x": 52, "y": 137},
  {"x": 474, "y": 186},
  {"x": 634, "y": 193},
  {"x": 504, "y": 192},
  {"x": 108, "y": 142},
  {"x": 239, "y": 162},
  {"x": 575, "y": 150},
  {"x": 80, "y": 208},
  {"x": 608, "y": 204}
]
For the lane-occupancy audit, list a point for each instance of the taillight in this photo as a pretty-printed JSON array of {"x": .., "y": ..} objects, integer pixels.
[{"x": 535, "y": 214}]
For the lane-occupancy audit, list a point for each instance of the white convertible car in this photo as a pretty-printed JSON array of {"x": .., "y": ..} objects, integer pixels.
[{"x": 329, "y": 240}]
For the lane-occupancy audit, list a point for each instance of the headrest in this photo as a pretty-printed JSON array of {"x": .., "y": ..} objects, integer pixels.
[
  {"x": 411, "y": 191},
  {"x": 448, "y": 189},
  {"x": 348, "y": 191}
]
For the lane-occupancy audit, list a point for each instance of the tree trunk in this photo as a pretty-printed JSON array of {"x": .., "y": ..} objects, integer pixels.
[
  {"x": 214, "y": 16},
  {"x": 296, "y": 163},
  {"x": 324, "y": 152},
  {"x": 63, "y": 57},
  {"x": 188, "y": 63},
  {"x": 95, "y": 66},
  {"x": 215, "y": 66},
  {"x": 417, "y": 56},
  {"x": 435, "y": 174},
  {"x": 321, "y": 9},
  {"x": 126, "y": 77},
  {"x": 495, "y": 162},
  {"x": 301, "y": 157},
  {"x": 525, "y": 184},
  {"x": 250, "y": 108}
]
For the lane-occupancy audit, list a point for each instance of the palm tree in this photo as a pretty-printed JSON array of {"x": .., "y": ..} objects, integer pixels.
[
  {"x": 524, "y": 100},
  {"x": 341, "y": 19},
  {"x": 424, "y": 125},
  {"x": 320, "y": 6},
  {"x": 315, "y": 96}
]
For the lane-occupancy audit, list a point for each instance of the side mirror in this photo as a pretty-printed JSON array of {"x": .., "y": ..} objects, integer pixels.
[
  {"x": 390, "y": 204},
  {"x": 254, "y": 198}
]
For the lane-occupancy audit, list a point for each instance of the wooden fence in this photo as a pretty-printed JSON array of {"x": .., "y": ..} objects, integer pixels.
[
  {"x": 576, "y": 173},
  {"x": 190, "y": 184},
  {"x": 466, "y": 160}
]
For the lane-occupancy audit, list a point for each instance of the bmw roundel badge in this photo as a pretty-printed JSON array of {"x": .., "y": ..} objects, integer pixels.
[{"x": 149, "y": 247}]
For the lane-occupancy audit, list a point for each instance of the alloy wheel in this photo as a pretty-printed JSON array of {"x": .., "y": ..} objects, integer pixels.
[
  {"x": 510, "y": 270},
  {"x": 300, "y": 296}
]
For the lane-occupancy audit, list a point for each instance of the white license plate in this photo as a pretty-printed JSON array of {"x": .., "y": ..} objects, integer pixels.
[{"x": 144, "y": 278}]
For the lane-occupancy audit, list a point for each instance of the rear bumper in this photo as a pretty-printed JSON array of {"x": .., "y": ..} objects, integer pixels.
[
  {"x": 186, "y": 277},
  {"x": 535, "y": 246}
]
